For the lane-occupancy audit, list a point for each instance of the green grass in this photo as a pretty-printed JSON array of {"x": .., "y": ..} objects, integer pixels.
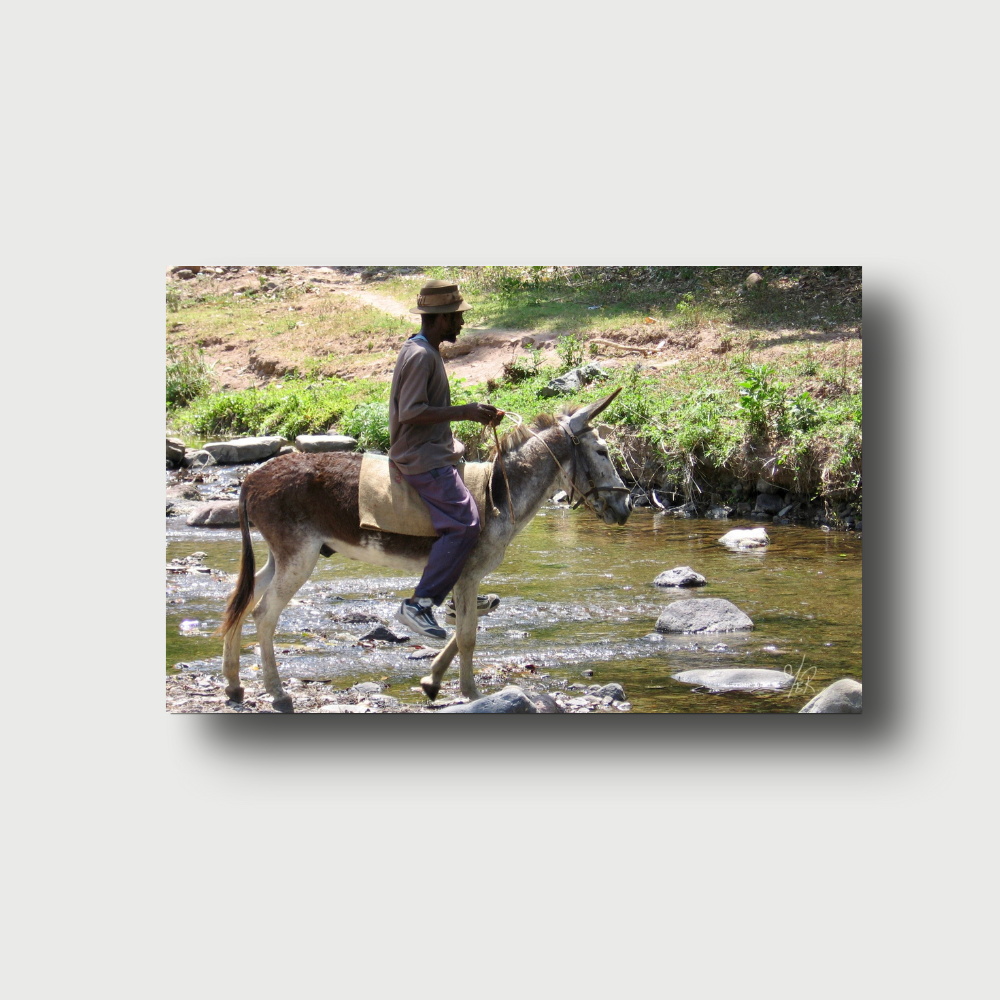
[
  {"x": 690, "y": 417},
  {"x": 596, "y": 301}
]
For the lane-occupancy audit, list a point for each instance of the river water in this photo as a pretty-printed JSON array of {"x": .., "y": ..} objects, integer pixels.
[{"x": 576, "y": 595}]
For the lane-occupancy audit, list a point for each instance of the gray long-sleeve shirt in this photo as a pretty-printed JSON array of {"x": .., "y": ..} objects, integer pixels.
[{"x": 420, "y": 381}]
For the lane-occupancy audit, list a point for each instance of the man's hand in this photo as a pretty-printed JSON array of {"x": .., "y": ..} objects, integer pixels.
[{"x": 483, "y": 413}]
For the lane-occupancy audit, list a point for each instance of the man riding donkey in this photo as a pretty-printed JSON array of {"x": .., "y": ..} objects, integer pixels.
[{"x": 426, "y": 453}]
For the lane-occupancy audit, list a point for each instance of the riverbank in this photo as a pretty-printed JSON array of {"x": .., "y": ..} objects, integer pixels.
[{"x": 731, "y": 387}]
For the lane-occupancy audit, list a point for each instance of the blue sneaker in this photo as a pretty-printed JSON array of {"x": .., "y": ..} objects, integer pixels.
[{"x": 420, "y": 618}]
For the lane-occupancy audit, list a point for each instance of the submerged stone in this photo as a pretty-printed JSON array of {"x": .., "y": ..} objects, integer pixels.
[
  {"x": 680, "y": 576},
  {"x": 721, "y": 679},
  {"x": 702, "y": 614},
  {"x": 842, "y": 697},
  {"x": 745, "y": 538}
]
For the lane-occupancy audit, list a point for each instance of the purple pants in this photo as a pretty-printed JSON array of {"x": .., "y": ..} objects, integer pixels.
[{"x": 456, "y": 520}]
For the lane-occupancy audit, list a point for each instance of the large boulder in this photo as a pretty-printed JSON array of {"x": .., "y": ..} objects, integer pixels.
[
  {"x": 680, "y": 576},
  {"x": 841, "y": 697},
  {"x": 510, "y": 701},
  {"x": 325, "y": 442},
  {"x": 253, "y": 449},
  {"x": 745, "y": 538},
  {"x": 720, "y": 679},
  {"x": 702, "y": 614},
  {"x": 215, "y": 514}
]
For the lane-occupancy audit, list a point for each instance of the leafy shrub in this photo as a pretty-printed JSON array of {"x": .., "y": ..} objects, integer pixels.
[
  {"x": 760, "y": 396},
  {"x": 570, "y": 350},
  {"x": 187, "y": 376},
  {"x": 369, "y": 423}
]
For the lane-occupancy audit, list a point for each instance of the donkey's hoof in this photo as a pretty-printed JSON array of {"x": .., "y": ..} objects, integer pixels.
[
  {"x": 429, "y": 687},
  {"x": 235, "y": 694},
  {"x": 283, "y": 704}
]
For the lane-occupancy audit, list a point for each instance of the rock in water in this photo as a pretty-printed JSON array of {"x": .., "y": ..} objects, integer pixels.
[
  {"x": 325, "y": 442},
  {"x": 721, "y": 679},
  {"x": 510, "y": 701},
  {"x": 215, "y": 514},
  {"x": 702, "y": 614},
  {"x": 197, "y": 458},
  {"x": 680, "y": 576},
  {"x": 175, "y": 451},
  {"x": 254, "y": 449},
  {"x": 614, "y": 691},
  {"x": 745, "y": 538},
  {"x": 383, "y": 634},
  {"x": 841, "y": 697}
]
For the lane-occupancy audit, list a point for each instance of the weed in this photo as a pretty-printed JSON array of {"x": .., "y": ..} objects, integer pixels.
[
  {"x": 570, "y": 350},
  {"x": 760, "y": 396},
  {"x": 187, "y": 376},
  {"x": 173, "y": 300}
]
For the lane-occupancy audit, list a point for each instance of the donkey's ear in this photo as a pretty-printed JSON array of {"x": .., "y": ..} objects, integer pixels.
[{"x": 578, "y": 422}]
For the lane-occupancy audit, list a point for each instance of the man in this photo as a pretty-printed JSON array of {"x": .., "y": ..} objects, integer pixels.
[{"x": 425, "y": 451}]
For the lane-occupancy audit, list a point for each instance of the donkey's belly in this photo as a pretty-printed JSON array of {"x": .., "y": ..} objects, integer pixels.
[{"x": 374, "y": 552}]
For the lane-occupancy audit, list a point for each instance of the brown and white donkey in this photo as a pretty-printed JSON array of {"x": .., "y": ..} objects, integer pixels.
[{"x": 307, "y": 503}]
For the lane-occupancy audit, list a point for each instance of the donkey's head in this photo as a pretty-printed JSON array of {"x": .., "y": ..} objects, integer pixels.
[{"x": 590, "y": 468}]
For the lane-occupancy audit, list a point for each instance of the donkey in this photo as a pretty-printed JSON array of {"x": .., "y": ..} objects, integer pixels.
[{"x": 307, "y": 504}]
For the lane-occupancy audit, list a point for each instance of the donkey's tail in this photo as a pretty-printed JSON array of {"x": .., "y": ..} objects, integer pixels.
[{"x": 240, "y": 598}]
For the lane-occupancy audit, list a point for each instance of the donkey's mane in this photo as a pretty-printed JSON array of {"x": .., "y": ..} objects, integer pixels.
[{"x": 515, "y": 437}]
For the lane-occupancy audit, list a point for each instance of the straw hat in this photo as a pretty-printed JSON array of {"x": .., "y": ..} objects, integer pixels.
[{"x": 440, "y": 297}]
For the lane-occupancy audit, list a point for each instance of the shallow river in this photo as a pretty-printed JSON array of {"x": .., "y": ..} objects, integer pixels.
[{"x": 575, "y": 595}]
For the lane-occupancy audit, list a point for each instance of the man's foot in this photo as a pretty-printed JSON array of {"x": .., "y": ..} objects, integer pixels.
[
  {"x": 485, "y": 603},
  {"x": 420, "y": 618}
]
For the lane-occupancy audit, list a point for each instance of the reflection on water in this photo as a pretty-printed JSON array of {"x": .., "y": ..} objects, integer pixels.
[{"x": 576, "y": 595}]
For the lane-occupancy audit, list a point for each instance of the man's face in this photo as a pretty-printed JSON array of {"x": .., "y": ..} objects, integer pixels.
[{"x": 450, "y": 325}]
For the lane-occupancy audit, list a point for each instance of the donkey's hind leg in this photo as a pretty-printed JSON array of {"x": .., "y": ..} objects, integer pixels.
[
  {"x": 292, "y": 570},
  {"x": 231, "y": 641}
]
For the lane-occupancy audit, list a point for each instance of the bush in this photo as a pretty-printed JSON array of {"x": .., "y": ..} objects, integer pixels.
[{"x": 369, "y": 423}]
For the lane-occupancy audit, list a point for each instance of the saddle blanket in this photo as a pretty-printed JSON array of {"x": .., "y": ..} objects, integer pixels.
[{"x": 387, "y": 502}]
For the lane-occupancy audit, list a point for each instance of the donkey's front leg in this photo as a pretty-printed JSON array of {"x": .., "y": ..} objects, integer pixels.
[
  {"x": 432, "y": 682},
  {"x": 466, "y": 620}
]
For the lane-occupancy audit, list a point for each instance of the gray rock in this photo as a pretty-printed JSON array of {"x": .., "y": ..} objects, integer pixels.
[
  {"x": 572, "y": 381},
  {"x": 286, "y": 449},
  {"x": 325, "y": 442},
  {"x": 183, "y": 491},
  {"x": 254, "y": 449},
  {"x": 769, "y": 503},
  {"x": 510, "y": 701},
  {"x": 175, "y": 451},
  {"x": 719, "y": 679},
  {"x": 198, "y": 458},
  {"x": 367, "y": 688},
  {"x": 614, "y": 691},
  {"x": 745, "y": 538},
  {"x": 718, "y": 513},
  {"x": 753, "y": 280},
  {"x": 215, "y": 514},
  {"x": 763, "y": 486},
  {"x": 840, "y": 697},
  {"x": 545, "y": 704},
  {"x": 680, "y": 576},
  {"x": 381, "y": 633},
  {"x": 702, "y": 614}
]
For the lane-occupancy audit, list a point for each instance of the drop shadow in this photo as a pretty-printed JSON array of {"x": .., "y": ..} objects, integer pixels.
[{"x": 886, "y": 725}]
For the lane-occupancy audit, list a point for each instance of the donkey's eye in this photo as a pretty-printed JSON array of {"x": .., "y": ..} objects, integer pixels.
[{"x": 602, "y": 453}]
